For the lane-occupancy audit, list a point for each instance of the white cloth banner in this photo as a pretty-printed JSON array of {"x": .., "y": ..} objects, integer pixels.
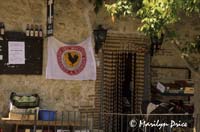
[{"x": 70, "y": 62}]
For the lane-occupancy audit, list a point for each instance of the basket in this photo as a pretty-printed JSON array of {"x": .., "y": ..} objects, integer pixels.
[{"x": 24, "y": 101}]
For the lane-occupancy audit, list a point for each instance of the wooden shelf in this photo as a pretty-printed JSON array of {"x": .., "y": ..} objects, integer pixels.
[
  {"x": 175, "y": 94},
  {"x": 35, "y": 123},
  {"x": 171, "y": 94},
  {"x": 40, "y": 123}
]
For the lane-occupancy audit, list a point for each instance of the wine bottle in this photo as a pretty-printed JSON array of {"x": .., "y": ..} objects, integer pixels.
[
  {"x": 31, "y": 31},
  {"x": 27, "y": 30},
  {"x": 2, "y": 29},
  {"x": 40, "y": 32},
  {"x": 36, "y": 31}
]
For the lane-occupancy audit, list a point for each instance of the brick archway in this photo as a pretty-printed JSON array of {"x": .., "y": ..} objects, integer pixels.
[{"x": 116, "y": 49}]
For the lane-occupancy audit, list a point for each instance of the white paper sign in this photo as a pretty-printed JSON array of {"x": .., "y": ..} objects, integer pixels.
[
  {"x": 1, "y": 57},
  {"x": 160, "y": 87},
  {"x": 16, "y": 52}
]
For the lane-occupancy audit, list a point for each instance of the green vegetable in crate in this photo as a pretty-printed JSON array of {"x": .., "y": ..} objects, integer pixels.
[
  {"x": 16, "y": 98},
  {"x": 24, "y": 101},
  {"x": 32, "y": 98}
]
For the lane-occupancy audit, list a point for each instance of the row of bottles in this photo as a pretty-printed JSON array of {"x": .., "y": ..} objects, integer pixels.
[
  {"x": 2, "y": 32},
  {"x": 2, "y": 29},
  {"x": 31, "y": 30},
  {"x": 34, "y": 30}
]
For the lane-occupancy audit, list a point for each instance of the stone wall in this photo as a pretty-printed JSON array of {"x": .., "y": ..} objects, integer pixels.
[{"x": 74, "y": 22}]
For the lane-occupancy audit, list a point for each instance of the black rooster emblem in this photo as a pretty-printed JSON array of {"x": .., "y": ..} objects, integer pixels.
[{"x": 72, "y": 58}]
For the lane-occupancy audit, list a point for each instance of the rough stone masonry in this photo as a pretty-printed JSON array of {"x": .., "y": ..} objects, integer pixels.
[{"x": 74, "y": 21}]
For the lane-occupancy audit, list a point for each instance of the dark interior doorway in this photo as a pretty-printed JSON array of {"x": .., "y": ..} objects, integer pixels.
[{"x": 119, "y": 84}]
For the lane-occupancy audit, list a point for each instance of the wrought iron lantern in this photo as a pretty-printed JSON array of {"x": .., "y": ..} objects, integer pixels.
[
  {"x": 156, "y": 43},
  {"x": 99, "y": 37}
]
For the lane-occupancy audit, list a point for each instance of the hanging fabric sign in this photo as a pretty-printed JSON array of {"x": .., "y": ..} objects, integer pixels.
[{"x": 70, "y": 62}]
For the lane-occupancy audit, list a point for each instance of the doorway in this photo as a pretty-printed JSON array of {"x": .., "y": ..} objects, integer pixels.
[{"x": 122, "y": 76}]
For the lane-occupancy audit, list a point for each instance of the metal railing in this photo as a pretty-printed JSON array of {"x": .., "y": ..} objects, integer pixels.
[
  {"x": 197, "y": 123},
  {"x": 113, "y": 122},
  {"x": 148, "y": 123}
]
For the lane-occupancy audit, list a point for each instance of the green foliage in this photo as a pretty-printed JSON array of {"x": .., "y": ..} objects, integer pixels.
[
  {"x": 156, "y": 15},
  {"x": 191, "y": 6},
  {"x": 191, "y": 47},
  {"x": 120, "y": 8}
]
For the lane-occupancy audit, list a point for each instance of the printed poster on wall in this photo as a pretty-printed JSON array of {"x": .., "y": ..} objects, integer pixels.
[
  {"x": 69, "y": 61},
  {"x": 16, "y": 52}
]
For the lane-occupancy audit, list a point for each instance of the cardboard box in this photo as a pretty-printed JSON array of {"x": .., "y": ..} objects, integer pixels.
[
  {"x": 82, "y": 131},
  {"x": 27, "y": 130},
  {"x": 39, "y": 130},
  {"x": 189, "y": 90},
  {"x": 14, "y": 116},
  {"x": 59, "y": 130},
  {"x": 47, "y": 131}
]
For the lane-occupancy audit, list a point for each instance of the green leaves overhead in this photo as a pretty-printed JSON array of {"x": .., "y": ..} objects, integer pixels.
[
  {"x": 191, "y": 47},
  {"x": 120, "y": 8},
  {"x": 191, "y": 6},
  {"x": 155, "y": 15}
]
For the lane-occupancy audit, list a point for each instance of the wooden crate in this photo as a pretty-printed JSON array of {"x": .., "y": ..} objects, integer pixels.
[{"x": 14, "y": 116}]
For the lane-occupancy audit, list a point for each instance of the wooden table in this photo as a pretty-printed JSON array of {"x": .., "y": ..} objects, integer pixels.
[{"x": 35, "y": 123}]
